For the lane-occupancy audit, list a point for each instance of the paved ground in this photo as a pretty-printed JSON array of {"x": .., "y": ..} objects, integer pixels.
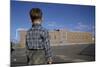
[{"x": 62, "y": 54}]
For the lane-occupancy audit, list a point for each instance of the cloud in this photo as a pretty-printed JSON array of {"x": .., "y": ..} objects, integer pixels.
[
  {"x": 55, "y": 25},
  {"x": 82, "y": 27},
  {"x": 52, "y": 24}
]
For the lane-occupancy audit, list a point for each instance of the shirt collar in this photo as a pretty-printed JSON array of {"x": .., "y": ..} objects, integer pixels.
[{"x": 36, "y": 25}]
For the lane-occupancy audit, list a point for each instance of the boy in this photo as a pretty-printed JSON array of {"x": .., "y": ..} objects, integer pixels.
[{"x": 37, "y": 40}]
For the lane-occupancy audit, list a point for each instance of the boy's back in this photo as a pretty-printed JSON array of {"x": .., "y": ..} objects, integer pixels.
[
  {"x": 37, "y": 40},
  {"x": 36, "y": 37}
]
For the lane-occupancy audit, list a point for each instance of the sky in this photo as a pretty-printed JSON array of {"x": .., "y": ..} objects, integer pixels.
[{"x": 55, "y": 16}]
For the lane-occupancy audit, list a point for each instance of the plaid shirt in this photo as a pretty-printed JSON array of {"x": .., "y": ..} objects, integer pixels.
[{"x": 38, "y": 38}]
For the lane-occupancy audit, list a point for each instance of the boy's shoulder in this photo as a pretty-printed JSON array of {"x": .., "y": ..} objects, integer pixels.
[
  {"x": 29, "y": 30},
  {"x": 44, "y": 29},
  {"x": 41, "y": 29}
]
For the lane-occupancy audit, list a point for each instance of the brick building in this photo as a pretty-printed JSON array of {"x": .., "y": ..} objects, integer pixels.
[{"x": 62, "y": 37}]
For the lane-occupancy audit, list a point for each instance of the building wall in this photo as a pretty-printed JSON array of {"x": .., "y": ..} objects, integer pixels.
[
  {"x": 57, "y": 37},
  {"x": 79, "y": 37},
  {"x": 60, "y": 37},
  {"x": 22, "y": 34}
]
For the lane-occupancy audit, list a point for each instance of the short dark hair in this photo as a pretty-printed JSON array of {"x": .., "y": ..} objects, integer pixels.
[{"x": 35, "y": 13}]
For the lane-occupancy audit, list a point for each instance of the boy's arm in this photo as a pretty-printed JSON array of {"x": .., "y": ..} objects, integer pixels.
[
  {"x": 26, "y": 41},
  {"x": 47, "y": 47}
]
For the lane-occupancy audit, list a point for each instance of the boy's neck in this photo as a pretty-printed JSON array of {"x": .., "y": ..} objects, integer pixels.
[{"x": 36, "y": 24}]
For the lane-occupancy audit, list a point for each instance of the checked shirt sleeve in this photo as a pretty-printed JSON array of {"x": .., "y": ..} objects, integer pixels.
[
  {"x": 47, "y": 46},
  {"x": 27, "y": 40}
]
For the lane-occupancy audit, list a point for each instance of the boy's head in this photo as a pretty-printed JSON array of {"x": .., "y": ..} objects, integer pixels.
[{"x": 36, "y": 15}]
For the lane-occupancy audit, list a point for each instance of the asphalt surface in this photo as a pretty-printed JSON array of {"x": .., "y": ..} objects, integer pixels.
[{"x": 62, "y": 54}]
